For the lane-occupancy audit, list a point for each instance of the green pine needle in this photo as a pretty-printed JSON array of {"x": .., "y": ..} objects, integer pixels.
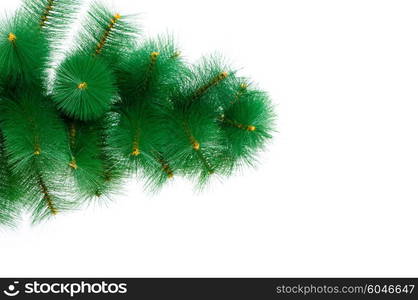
[
  {"x": 37, "y": 150},
  {"x": 247, "y": 125},
  {"x": 149, "y": 72},
  {"x": 84, "y": 87},
  {"x": 9, "y": 189},
  {"x": 22, "y": 52},
  {"x": 107, "y": 33},
  {"x": 85, "y": 162}
]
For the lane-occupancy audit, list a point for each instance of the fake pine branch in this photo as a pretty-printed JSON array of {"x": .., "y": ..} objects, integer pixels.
[{"x": 116, "y": 106}]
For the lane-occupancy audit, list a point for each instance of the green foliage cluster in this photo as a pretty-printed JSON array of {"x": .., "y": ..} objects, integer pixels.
[{"x": 115, "y": 107}]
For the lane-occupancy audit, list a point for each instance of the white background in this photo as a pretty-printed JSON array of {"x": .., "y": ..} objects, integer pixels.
[{"x": 335, "y": 194}]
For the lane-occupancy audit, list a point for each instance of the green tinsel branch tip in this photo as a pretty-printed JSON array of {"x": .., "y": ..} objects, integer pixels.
[{"x": 107, "y": 32}]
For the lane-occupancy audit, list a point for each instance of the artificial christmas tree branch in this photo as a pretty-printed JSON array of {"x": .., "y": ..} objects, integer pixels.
[{"x": 116, "y": 106}]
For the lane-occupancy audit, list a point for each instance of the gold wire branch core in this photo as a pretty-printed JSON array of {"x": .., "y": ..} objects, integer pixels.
[
  {"x": 47, "y": 12},
  {"x": 106, "y": 34},
  {"x": 135, "y": 149},
  {"x": 108, "y": 176},
  {"x": 135, "y": 144},
  {"x": 73, "y": 164},
  {"x": 73, "y": 131},
  {"x": 164, "y": 165},
  {"x": 37, "y": 150},
  {"x": 168, "y": 171},
  {"x": 73, "y": 134},
  {"x": 176, "y": 54},
  {"x": 223, "y": 75},
  {"x": 82, "y": 85},
  {"x": 213, "y": 82},
  {"x": 205, "y": 163},
  {"x": 154, "y": 56},
  {"x": 11, "y": 37},
  {"x": 237, "y": 125},
  {"x": 47, "y": 197},
  {"x": 153, "y": 61},
  {"x": 196, "y": 145},
  {"x": 242, "y": 90}
]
